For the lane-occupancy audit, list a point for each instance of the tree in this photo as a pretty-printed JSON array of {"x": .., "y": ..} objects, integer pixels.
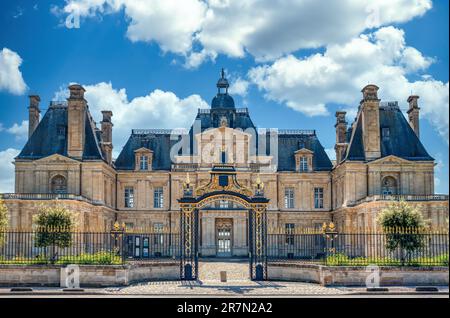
[
  {"x": 3, "y": 221},
  {"x": 402, "y": 224},
  {"x": 54, "y": 226}
]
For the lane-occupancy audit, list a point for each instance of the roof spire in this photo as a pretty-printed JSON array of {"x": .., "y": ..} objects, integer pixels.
[{"x": 222, "y": 83}]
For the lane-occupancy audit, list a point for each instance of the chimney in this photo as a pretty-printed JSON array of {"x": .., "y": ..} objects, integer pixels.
[
  {"x": 341, "y": 140},
  {"x": 413, "y": 114},
  {"x": 106, "y": 143},
  {"x": 370, "y": 114},
  {"x": 33, "y": 114},
  {"x": 77, "y": 108}
]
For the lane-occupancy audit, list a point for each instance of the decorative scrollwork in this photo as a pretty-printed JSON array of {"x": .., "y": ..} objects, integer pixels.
[{"x": 231, "y": 185}]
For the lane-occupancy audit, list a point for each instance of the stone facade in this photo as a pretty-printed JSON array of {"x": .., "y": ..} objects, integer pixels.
[{"x": 305, "y": 189}]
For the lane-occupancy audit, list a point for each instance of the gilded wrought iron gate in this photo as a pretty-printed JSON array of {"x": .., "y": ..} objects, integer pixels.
[
  {"x": 223, "y": 185},
  {"x": 189, "y": 244},
  {"x": 257, "y": 244}
]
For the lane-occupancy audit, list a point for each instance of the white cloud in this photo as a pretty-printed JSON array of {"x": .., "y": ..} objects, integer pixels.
[
  {"x": 239, "y": 87},
  {"x": 170, "y": 23},
  {"x": 20, "y": 131},
  {"x": 7, "y": 170},
  {"x": 337, "y": 76},
  {"x": 267, "y": 29},
  {"x": 11, "y": 79},
  {"x": 158, "y": 109}
]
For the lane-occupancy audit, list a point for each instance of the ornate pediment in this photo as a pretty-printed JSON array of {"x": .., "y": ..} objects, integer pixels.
[
  {"x": 390, "y": 160},
  {"x": 143, "y": 150},
  {"x": 304, "y": 151},
  {"x": 56, "y": 159}
]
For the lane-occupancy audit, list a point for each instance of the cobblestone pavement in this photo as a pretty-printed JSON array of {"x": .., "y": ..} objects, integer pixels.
[
  {"x": 238, "y": 284},
  {"x": 235, "y": 288}
]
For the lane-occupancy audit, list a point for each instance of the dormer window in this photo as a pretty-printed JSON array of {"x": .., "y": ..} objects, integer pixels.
[
  {"x": 304, "y": 160},
  {"x": 144, "y": 163},
  {"x": 303, "y": 164},
  {"x": 143, "y": 158}
]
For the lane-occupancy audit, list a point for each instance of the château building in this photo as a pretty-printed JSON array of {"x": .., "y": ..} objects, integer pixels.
[{"x": 379, "y": 158}]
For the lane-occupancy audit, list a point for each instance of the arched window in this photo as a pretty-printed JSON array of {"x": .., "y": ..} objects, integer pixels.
[
  {"x": 388, "y": 186},
  {"x": 59, "y": 184}
]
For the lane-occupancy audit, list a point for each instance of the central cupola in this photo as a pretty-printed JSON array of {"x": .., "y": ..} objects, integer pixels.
[{"x": 222, "y": 99}]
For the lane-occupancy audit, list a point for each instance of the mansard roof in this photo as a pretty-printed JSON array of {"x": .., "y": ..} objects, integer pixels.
[
  {"x": 157, "y": 140},
  {"x": 50, "y": 136},
  {"x": 289, "y": 141},
  {"x": 403, "y": 142}
]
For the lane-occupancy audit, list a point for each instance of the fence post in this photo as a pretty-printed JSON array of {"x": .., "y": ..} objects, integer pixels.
[
  {"x": 330, "y": 233},
  {"x": 117, "y": 232}
]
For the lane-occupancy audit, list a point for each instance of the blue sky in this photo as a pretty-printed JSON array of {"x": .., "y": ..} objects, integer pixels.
[{"x": 154, "y": 66}]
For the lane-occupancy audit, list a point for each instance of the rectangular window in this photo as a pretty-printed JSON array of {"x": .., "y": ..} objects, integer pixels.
[
  {"x": 158, "y": 198},
  {"x": 289, "y": 198},
  {"x": 129, "y": 197},
  {"x": 318, "y": 198},
  {"x": 144, "y": 163},
  {"x": 158, "y": 229},
  {"x": 289, "y": 231},
  {"x": 303, "y": 164}
]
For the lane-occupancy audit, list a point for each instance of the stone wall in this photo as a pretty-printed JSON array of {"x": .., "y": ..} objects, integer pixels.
[
  {"x": 363, "y": 216},
  {"x": 90, "y": 275},
  {"x": 356, "y": 275},
  {"x": 87, "y": 216}
]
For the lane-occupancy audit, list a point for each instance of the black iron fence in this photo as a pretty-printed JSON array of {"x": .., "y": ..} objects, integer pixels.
[
  {"x": 394, "y": 248},
  {"x": 61, "y": 247},
  {"x": 146, "y": 246},
  {"x": 56, "y": 246}
]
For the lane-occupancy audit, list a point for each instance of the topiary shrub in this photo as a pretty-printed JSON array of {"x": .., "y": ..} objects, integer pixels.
[
  {"x": 54, "y": 225},
  {"x": 402, "y": 225}
]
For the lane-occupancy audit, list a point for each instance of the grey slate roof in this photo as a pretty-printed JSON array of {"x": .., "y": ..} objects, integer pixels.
[
  {"x": 288, "y": 144},
  {"x": 50, "y": 137},
  {"x": 158, "y": 142},
  {"x": 222, "y": 101},
  {"x": 402, "y": 142}
]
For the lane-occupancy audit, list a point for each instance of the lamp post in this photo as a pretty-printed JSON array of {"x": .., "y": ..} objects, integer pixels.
[
  {"x": 330, "y": 234},
  {"x": 117, "y": 233}
]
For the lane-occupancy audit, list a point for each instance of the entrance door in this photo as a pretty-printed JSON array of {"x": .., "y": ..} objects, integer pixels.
[{"x": 224, "y": 237}]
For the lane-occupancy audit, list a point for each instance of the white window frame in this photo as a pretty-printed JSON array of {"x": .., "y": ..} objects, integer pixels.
[
  {"x": 303, "y": 164},
  {"x": 318, "y": 197},
  {"x": 289, "y": 197},
  {"x": 143, "y": 164},
  {"x": 129, "y": 197},
  {"x": 158, "y": 197}
]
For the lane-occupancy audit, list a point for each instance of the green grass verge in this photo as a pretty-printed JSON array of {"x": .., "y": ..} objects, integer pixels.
[{"x": 99, "y": 258}]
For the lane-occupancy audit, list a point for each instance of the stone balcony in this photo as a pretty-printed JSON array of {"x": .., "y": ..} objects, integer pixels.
[
  {"x": 405, "y": 197},
  {"x": 48, "y": 196}
]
